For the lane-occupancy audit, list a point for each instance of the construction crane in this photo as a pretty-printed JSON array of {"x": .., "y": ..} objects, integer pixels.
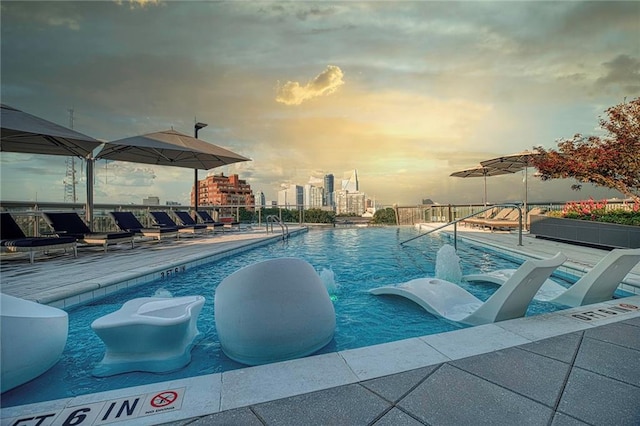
[{"x": 70, "y": 179}]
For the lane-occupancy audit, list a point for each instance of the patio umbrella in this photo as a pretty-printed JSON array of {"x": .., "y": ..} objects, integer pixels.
[
  {"x": 26, "y": 133},
  {"x": 169, "y": 148},
  {"x": 481, "y": 171},
  {"x": 514, "y": 163}
]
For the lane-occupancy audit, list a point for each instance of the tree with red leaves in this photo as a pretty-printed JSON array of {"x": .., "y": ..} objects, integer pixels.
[{"x": 611, "y": 161}]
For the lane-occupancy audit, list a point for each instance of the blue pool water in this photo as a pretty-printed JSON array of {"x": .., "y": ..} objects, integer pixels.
[{"x": 358, "y": 259}]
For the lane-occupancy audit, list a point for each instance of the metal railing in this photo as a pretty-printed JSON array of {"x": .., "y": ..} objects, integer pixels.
[
  {"x": 271, "y": 219},
  {"x": 456, "y": 221}
]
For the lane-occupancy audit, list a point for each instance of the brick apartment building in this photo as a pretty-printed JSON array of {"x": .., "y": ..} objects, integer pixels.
[{"x": 221, "y": 190}]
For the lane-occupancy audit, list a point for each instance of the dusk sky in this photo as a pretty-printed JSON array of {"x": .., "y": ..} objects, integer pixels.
[{"x": 404, "y": 92}]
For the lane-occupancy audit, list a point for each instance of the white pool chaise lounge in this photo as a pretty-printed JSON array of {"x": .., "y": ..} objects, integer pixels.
[
  {"x": 450, "y": 301},
  {"x": 274, "y": 310},
  {"x": 597, "y": 285},
  {"x": 33, "y": 338},
  {"x": 153, "y": 334}
]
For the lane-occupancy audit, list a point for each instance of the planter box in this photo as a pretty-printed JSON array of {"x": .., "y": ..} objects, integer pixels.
[{"x": 609, "y": 235}]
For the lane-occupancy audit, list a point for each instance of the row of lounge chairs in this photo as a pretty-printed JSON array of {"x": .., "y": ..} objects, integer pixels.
[
  {"x": 69, "y": 229},
  {"x": 500, "y": 218}
]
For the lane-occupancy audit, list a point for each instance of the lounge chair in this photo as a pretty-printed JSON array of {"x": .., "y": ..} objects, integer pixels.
[
  {"x": 479, "y": 218},
  {"x": 14, "y": 240},
  {"x": 163, "y": 219},
  {"x": 452, "y": 302},
  {"x": 208, "y": 220},
  {"x": 496, "y": 214},
  {"x": 597, "y": 285},
  {"x": 186, "y": 220},
  {"x": 510, "y": 220},
  {"x": 71, "y": 225},
  {"x": 129, "y": 223}
]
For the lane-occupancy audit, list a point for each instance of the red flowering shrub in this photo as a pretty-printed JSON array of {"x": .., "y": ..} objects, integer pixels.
[{"x": 597, "y": 211}]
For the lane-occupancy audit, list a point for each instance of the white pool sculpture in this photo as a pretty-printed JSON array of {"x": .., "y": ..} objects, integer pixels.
[
  {"x": 273, "y": 311},
  {"x": 33, "y": 338},
  {"x": 153, "y": 334}
]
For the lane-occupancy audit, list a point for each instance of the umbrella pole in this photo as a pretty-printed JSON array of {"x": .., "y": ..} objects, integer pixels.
[
  {"x": 89, "y": 205},
  {"x": 195, "y": 193},
  {"x": 485, "y": 190}
]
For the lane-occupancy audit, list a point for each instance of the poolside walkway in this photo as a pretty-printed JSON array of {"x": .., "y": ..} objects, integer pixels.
[{"x": 573, "y": 367}]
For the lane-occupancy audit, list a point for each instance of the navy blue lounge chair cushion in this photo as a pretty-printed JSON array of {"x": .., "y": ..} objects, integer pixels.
[
  {"x": 206, "y": 218},
  {"x": 37, "y": 241},
  {"x": 70, "y": 224},
  {"x": 12, "y": 236},
  {"x": 128, "y": 222},
  {"x": 9, "y": 229},
  {"x": 163, "y": 219}
]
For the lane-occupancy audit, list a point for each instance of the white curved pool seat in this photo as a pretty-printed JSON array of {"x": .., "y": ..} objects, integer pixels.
[
  {"x": 33, "y": 338},
  {"x": 152, "y": 334},
  {"x": 273, "y": 311},
  {"x": 452, "y": 302},
  {"x": 597, "y": 285}
]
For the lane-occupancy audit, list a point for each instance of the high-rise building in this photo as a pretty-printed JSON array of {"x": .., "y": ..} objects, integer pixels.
[
  {"x": 328, "y": 191},
  {"x": 291, "y": 198},
  {"x": 260, "y": 199},
  {"x": 350, "y": 181},
  {"x": 221, "y": 190},
  {"x": 313, "y": 196},
  {"x": 350, "y": 202}
]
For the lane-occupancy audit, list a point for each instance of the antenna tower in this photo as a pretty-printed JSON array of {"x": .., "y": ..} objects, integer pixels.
[{"x": 70, "y": 180}]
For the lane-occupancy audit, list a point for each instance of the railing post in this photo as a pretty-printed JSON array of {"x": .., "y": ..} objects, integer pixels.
[
  {"x": 520, "y": 227},
  {"x": 455, "y": 235}
]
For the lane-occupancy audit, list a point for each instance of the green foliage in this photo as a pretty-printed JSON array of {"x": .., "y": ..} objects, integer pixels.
[
  {"x": 293, "y": 216},
  {"x": 385, "y": 217},
  {"x": 621, "y": 217},
  {"x": 319, "y": 216}
]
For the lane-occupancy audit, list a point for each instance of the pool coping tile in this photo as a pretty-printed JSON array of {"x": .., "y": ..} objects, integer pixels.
[
  {"x": 473, "y": 341},
  {"x": 390, "y": 358},
  {"x": 284, "y": 379}
]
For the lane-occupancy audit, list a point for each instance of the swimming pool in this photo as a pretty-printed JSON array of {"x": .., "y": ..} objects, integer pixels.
[{"x": 358, "y": 258}]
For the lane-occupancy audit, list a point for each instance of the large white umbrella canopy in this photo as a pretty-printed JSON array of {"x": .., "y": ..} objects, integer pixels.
[
  {"x": 169, "y": 148},
  {"x": 481, "y": 171},
  {"x": 26, "y": 133},
  {"x": 514, "y": 163}
]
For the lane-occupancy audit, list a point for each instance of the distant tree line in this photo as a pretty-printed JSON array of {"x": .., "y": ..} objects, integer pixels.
[{"x": 289, "y": 215}]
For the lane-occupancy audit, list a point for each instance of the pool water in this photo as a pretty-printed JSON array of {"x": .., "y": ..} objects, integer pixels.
[{"x": 351, "y": 260}]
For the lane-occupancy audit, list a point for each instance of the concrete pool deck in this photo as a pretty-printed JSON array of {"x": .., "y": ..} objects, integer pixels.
[{"x": 579, "y": 366}]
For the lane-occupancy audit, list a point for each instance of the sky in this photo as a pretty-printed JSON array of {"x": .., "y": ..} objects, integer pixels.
[{"x": 404, "y": 92}]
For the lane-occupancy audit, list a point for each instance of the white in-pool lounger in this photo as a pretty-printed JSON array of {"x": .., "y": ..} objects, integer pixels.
[
  {"x": 450, "y": 301},
  {"x": 597, "y": 285}
]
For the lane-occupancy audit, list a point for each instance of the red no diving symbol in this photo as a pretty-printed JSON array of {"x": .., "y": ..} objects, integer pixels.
[{"x": 163, "y": 399}]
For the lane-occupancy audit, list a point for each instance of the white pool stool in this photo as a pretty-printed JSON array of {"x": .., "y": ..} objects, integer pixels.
[{"x": 153, "y": 334}]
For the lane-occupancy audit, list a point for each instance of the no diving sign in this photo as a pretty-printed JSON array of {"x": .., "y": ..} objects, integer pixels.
[{"x": 105, "y": 412}]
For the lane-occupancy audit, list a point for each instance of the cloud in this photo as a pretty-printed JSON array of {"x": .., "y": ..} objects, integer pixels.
[
  {"x": 624, "y": 71},
  {"x": 138, "y": 3},
  {"x": 327, "y": 82}
]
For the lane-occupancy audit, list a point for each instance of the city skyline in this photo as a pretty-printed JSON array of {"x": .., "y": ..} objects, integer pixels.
[{"x": 409, "y": 92}]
